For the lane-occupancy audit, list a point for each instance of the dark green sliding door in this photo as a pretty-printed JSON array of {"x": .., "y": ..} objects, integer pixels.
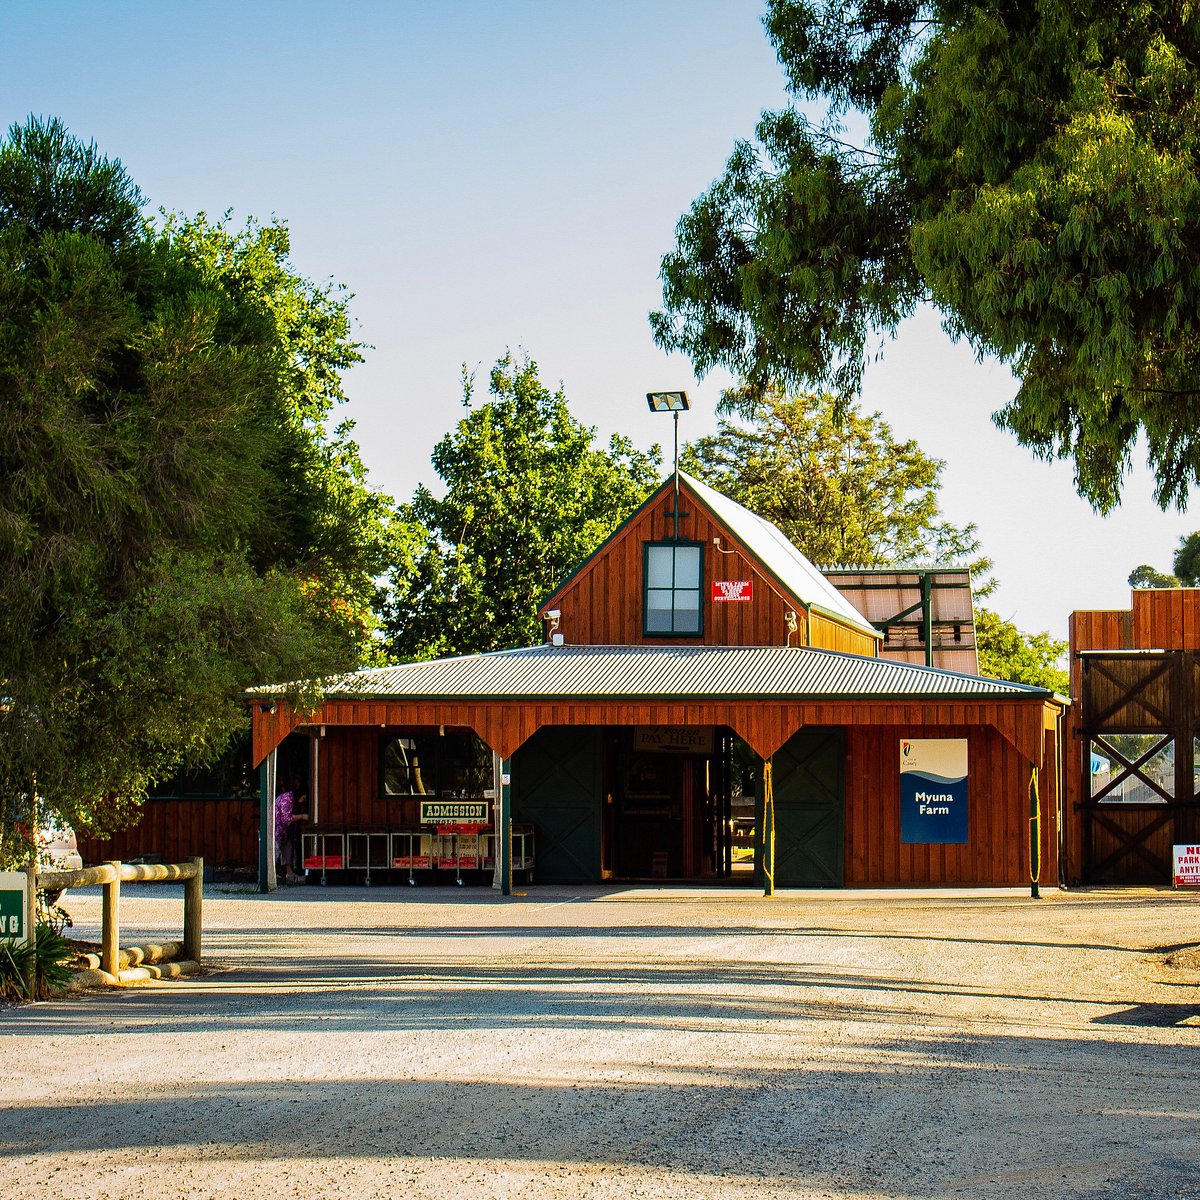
[{"x": 556, "y": 784}]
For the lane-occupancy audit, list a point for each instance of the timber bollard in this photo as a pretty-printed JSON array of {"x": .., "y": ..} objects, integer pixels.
[
  {"x": 193, "y": 901},
  {"x": 110, "y": 920}
]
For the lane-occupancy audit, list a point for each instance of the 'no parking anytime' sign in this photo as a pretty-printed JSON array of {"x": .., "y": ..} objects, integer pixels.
[{"x": 1185, "y": 871}]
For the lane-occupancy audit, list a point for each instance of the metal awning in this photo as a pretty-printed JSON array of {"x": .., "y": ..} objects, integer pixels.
[{"x": 669, "y": 672}]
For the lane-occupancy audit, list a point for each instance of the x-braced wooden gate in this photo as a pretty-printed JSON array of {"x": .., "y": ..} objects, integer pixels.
[{"x": 1139, "y": 757}]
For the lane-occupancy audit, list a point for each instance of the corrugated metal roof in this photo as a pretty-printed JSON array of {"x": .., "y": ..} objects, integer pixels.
[
  {"x": 626, "y": 672},
  {"x": 780, "y": 556}
]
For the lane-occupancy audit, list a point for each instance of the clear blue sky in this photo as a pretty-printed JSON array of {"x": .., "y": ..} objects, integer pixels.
[{"x": 485, "y": 175}]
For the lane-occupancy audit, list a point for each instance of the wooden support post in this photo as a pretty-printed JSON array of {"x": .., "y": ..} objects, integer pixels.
[
  {"x": 504, "y": 832},
  {"x": 193, "y": 901},
  {"x": 110, "y": 921},
  {"x": 927, "y": 616},
  {"x": 1035, "y": 836},
  {"x": 267, "y": 787}
]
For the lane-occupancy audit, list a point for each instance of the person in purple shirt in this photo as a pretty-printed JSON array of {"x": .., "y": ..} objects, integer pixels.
[{"x": 291, "y": 808}]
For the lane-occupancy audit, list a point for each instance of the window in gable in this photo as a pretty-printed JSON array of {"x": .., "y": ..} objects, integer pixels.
[{"x": 672, "y": 594}]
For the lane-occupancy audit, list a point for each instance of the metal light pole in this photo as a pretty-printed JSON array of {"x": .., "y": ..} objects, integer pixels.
[{"x": 674, "y": 403}]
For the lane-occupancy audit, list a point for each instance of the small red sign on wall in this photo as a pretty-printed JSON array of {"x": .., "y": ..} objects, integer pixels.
[{"x": 732, "y": 589}]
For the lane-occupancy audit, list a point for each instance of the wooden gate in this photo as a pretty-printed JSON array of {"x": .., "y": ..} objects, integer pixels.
[{"x": 1138, "y": 760}]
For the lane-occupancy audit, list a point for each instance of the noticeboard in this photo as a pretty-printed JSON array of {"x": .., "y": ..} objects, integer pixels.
[
  {"x": 1185, "y": 866},
  {"x": 14, "y": 904},
  {"x": 933, "y": 791},
  {"x": 454, "y": 812}
]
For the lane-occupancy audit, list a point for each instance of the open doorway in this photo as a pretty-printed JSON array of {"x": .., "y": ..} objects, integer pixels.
[{"x": 668, "y": 805}]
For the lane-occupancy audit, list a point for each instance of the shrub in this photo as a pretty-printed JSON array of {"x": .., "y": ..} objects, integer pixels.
[{"x": 49, "y": 958}]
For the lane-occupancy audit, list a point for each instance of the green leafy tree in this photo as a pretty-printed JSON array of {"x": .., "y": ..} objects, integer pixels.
[
  {"x": 1186, "y": 566},
  {"x": 1005, "y": 652},
  {"x": 1187, "y": 560},
  {"x": 1147, "y": 576},
  {"x": 527, "y": 497},
  {"x": 834, "y": 479},
  {"x": 1033, "y": 170},
  {"x": 175, "y": 521}
]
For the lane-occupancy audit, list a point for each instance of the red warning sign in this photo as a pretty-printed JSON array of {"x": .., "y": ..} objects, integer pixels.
[
  {"x": 732, "y": 589},
  {"x": 1186, "y": 872}
]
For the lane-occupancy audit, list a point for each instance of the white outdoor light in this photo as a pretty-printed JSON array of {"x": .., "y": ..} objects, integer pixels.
[{"x": 674, "y": 403}]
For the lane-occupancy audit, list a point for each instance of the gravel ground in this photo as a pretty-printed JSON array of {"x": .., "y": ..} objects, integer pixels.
[{"x": 607, "y": 1042}]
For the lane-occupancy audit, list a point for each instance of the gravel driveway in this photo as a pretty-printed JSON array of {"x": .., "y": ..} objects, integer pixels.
[{"x": 607, "y": 1042}]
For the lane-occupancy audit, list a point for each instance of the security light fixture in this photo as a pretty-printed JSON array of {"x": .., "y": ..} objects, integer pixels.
[{"x": 675, "y": 402}]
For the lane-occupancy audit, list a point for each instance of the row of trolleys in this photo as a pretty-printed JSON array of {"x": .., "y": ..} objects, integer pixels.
[{"x": 415, "y": 853}]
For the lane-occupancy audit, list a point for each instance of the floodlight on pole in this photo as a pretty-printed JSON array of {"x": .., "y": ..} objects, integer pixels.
[{"x": 674, "y": 403}]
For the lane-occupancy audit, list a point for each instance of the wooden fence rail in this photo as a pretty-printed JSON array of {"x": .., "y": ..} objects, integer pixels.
[{"x": 110, "y": 876}]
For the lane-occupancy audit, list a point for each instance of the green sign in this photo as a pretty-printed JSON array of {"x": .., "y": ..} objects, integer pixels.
[
  {"x": 12, "y": 905},
  {"x": 454, "y": 812}
]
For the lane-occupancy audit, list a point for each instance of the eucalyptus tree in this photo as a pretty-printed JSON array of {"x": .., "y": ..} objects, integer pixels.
[{"x": 1031, "y": 169}]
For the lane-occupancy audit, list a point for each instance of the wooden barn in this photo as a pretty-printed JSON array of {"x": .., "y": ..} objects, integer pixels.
[
  {"x": 1132, "y": 762},
  {"x": 699, "y": 679}
]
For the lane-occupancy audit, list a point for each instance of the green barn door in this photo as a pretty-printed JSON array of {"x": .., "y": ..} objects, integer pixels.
[
  {"x": 809, "y": 810},
  {"x": 556, "y": 785}
]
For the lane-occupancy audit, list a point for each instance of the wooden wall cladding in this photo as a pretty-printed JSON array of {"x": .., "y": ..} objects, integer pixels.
[
  {"x": 997, "y": 853},
  {"x": 825, "y": 634},
  {"x": 350, "y": 790},
  {"x": 764, "y": 725},
  {"x": 602, "y": 604},
  {"x": 1157, "y": 619},
  {"x": 222, "y": 830}
]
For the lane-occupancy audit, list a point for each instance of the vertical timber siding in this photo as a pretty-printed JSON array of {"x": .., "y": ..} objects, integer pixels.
[
  {"x": 997, "y": 853},
  {"x": 224, "y": 831},
  {"x": 601, "y": 604}
]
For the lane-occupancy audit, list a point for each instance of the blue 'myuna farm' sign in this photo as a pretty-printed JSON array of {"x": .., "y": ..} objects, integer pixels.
[{"x": 933, "y": 791}]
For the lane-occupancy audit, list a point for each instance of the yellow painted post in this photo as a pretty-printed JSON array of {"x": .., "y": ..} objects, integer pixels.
[
  {"x": 768, "y": 834},
  {"x": 1035, "y": 836}
]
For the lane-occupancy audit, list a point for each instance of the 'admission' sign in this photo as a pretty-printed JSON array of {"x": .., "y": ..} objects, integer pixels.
[{"x": 454, "y": 812}]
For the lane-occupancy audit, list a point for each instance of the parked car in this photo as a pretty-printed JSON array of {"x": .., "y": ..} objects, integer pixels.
[{"x": 58, "y": 850}]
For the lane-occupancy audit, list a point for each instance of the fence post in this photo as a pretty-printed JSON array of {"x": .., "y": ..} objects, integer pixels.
[
  {"x": 110, "y": 922},
  {"x": 193, "y": 900},
  {"x": 31, "y": 908}
]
